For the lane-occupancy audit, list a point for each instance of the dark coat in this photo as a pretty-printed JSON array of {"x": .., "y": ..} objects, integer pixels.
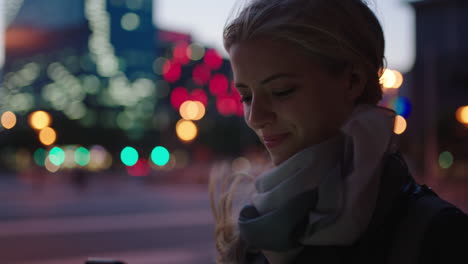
[{"x": 443, "y": 241}]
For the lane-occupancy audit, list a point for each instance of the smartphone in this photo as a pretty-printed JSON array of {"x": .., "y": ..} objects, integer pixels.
[{"x": 103, "y": 261}]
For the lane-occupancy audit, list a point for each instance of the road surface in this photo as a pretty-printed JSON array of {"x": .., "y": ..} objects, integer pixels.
[{"x": 126, "y": 220}]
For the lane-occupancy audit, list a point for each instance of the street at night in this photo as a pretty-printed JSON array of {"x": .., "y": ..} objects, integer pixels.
[{"x": 122, "y": 219}]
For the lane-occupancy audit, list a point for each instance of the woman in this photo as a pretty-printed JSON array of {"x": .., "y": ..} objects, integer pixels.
[{"x": 308, "y": 73}]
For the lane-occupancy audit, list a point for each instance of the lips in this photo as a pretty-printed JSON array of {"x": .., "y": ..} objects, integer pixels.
[{"x": 272, "y": 141}]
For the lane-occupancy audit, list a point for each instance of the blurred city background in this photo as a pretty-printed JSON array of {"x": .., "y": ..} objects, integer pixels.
[{"x": 113, "y": 114}]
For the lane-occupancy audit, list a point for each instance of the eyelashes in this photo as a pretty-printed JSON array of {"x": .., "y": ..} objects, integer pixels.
[
  {"x": 284, "y": 93},
  {"x": 248, "y": 98}
]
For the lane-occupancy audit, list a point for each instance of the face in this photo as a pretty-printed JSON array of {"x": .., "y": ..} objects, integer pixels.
[{"x": 290, "y": 101}]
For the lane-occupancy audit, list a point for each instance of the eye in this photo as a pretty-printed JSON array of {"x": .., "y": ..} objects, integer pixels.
[
  {"x": 285, "y": 92},
  {"x": 246, "y": 99}
]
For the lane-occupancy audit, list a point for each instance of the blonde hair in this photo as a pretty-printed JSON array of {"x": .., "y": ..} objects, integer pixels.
[
  {"x": 224, "y": 190},
  {"x": 335, "y": 33}
]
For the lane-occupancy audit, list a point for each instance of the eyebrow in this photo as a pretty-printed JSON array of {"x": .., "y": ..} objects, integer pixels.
[{"x": 269, "y": 79}]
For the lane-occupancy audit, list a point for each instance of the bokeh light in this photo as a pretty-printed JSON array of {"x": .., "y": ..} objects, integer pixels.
[
  {"x": 39, "y": 120},
  {"x": 201, "y": 74},
  {"x": 226, "y": 105},
  {"x": 180, "y": 53},
  {"x": 130, "y": 21},
  {"x": 401, "y": 105},
  {"x": 40, "y": 156},
  {"x": 160, "y": 156},
  {"x": 199, "y": 95},
  {"x": 446, "y": 160},
  {"x": 172, "y": 71},
  {"x": 82, "y": 156},
  {"x": 219, "y": 85},
  {"x": 192, "y": 110},
  {"x": 213, "y": 59},
  {"x": 400, "y": 125},
  {"x": 178, "y": 96},
  {"x": 100, "y": 159},
  {"x": 50, "y": 167},
  {"x": 8, "y": 120},
  {"x": 186, "y": 130},
  {"x": 201, "y": 111},
  {"x": 195, "y": 52},
  {"x": 391, "y": 79},
  {"x": 462, "y": 115},
  {"x": 47, "y": 136},
  {"x": 129, "y": 156},
  {"x": 56, "y": 156},
  {"x": 69, "y": 162},
  {"x": 158, "y": 65},
  {"x": 140, "y": 168}
]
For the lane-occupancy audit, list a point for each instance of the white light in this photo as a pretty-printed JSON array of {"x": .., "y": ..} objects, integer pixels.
[
  {"x": 130, "y": 21},
  {"x": 99, "y": 41}
]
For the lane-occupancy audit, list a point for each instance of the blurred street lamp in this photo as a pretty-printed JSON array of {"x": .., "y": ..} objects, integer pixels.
[
  {"x": 400, "y": 125},
  {"x": 462, "y": 115},
  {"x": 39, "y": 120},
  {"x": 8, "y": 120},
  {"x": 391, "y": 79},
  {"x": 186, "y": 130},
  {"x": 47, "y": 136}
]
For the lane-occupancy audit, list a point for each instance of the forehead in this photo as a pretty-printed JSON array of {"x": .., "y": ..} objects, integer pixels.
[{"x": 257, "y": 58}]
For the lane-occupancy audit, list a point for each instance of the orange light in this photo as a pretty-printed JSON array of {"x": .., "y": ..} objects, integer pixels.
[
  {"x": 8, "y": 120},
  {"x": 462, "y": 115},
  {"x": 400, "y": 125},
  {"x": 192, "y": 110},
  {"x": 201, "y": 110},
  {"x": 47, "y": 136},
  {"x": 186, "y": 130},
  {"x": 39, "y": 120}
]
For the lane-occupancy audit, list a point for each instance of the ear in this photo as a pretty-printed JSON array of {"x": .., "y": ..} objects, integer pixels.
[{"x": 357, "y": 82}]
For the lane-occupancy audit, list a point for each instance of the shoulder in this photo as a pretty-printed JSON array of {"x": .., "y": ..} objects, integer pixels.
[{"x": 446, "y": 238}]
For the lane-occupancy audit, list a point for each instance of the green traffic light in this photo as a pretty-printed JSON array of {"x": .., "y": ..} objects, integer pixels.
[
  {"x": 129, "y": 156},
  {"x": 160, "y": 156},
  {"x": 56, "y": 156},
  {"x": 39, "y": 156},
  {"x": 82, "y": 156}
]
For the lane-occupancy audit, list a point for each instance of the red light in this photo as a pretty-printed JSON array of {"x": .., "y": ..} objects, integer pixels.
[
  {"x": 235, "y": 94},
  {"x": 180, "y": 53},
  {"x": 219, "y": 85},
  {"x": 199, "y": 95},
  {"x": 240, "y": 109},
  {"x": 213, "y": 59},
  {"x": 141, "y": 168},
  {"x": 201, "y": 74},
  {"x": 226, "y": 105},
  {"x": 240, "y": 106},
  {"x": 178, "y": 96},
  {"x": 171, "y": 71}
]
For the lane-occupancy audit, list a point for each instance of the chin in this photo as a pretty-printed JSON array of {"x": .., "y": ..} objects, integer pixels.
[
  {"x": 278, "y": 159},
  {"x": 280, "y": 155}
]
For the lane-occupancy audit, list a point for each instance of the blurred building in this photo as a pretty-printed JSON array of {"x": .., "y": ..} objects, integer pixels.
[
  {"x": 109, "y": 77},
  {"x": 439, "y": 86}
]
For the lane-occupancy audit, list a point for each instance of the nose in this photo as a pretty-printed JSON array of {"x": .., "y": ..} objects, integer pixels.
[{"x": 260, "y": 113}]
